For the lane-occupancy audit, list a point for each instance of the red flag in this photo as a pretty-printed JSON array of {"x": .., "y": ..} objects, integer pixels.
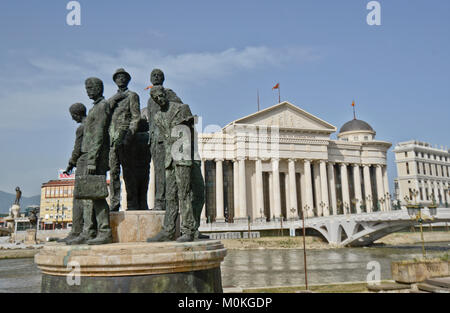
[
  {"x": 148, "y": 87},
  {"x": 276, "y": 86},
  {"x": 353, "y": 103}
]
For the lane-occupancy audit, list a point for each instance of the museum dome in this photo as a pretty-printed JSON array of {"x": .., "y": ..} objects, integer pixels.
[{"x": 355, "y": 125}]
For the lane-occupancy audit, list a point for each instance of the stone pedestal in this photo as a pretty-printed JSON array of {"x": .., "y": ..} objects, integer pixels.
[
  {"x": 132, "y": 267},
  {"x": 15, "y": 211},
  {"x": 135, "y": 226},
  {"x": 31, "y": 237}
]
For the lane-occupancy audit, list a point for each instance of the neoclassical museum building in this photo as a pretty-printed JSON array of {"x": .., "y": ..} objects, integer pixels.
[{"x": 280, "y": 162}]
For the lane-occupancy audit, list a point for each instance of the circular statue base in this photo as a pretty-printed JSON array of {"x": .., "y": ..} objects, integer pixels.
[{"x": 132, "y": 267}]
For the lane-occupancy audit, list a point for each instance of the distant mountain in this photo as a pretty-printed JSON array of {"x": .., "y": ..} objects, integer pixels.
[{"x": 7, "y": 199}]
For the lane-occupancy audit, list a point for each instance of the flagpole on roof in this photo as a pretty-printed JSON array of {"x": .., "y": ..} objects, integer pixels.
[
  {"x": 257, "y": 97},
  {"x": 279, "y": 98}
]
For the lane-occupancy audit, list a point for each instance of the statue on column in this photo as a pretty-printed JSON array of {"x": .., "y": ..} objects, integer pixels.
[
  {"x": 124, "y": 125},
  {"x": 18, "y": 196},
  {"x": 156, "y": 141}
]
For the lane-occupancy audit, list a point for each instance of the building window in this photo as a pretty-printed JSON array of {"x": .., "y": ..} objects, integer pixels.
[
  {"x": 406, "y": 154},
  {"x": 418, "y": 167},
  {"x": 407, "y": 168},
  {"x": 366, "y": 137}
]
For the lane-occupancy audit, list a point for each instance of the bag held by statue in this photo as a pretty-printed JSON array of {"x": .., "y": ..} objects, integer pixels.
[{"x": 91, "y": 187}]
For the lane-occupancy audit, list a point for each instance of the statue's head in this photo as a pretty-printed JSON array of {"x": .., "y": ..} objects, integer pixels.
[
  {"x": 157, "y": 77},
  {"x": 121, "y": 78},
  {"x": 143, "y": 125},
  {"x": 94, "y": 87},
  {"x": 77, "y": 111},
  {"x": 158, "y": 95},
  {"x": 17, "y": 188}
]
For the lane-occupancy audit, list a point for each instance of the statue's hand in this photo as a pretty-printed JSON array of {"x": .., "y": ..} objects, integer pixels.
[
  {"x": 91, "y": 169},
  {"x": 68, "y": 170},
  {"x": 127, "y": 139}
]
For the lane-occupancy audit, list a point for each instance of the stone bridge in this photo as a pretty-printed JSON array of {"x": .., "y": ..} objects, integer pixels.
[{"x": 341, "y": 230}]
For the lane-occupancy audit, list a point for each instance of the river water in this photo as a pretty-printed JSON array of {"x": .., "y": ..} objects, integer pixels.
[{"x": 263, "y": 268}]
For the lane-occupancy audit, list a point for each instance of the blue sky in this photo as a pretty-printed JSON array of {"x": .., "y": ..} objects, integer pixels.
[{"x": 215, "y": 54}]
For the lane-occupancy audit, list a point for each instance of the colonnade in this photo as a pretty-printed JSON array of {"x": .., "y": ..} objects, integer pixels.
[{"x": 325, "y": 188}]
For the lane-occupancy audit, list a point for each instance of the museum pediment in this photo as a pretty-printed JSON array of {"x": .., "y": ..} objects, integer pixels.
[{"x": 286, "y": 115}]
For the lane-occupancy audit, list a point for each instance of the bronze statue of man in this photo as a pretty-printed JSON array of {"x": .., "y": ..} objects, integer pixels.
[
  {"x": 137, "y": 171},
  {"x": 78, "y": 113},
  {"x": 124, "y": 124},
  {"x": 156, "y": 141},
  {"x": 18, "y": 196},
  {"x": 174, "y": 121},
  {"x": 94, "y": 161}
]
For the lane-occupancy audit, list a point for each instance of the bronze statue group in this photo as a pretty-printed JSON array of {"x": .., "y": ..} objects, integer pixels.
[{"x": 115, "y": 136}]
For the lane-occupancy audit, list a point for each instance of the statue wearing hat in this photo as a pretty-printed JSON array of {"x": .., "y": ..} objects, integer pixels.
[{"x": 124, "y": 125}]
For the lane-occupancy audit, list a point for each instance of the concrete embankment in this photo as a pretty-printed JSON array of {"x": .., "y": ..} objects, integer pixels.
[{"x": 318, "y": 243}]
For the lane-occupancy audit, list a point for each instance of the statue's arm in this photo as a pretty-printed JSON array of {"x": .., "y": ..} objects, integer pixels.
[
  {"x": 77, "y": 147},
  {"x": 135, "y": 109},
  {"x": 98, "y": 135}
]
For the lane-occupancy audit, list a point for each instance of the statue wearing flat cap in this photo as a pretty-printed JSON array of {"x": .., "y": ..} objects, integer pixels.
[{"x": 124, "y": 125}]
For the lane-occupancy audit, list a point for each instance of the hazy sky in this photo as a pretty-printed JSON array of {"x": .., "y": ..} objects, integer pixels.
[{"x": 215, "y": 54}]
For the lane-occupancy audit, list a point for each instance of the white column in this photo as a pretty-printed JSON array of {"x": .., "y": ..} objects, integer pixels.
[
  {"x": 368, "y": 188},
  {"x": 317, "y": 188},
  {"x": 287, "y": 195},
  {"x": 345, "y": 189},
  {"x": 236, "y": 187},
  {"x": 441, "y": 184},
  {"x": 436, "y": 192},
  {"x": 430, "y": 191},
  {"x": 332, "y": 187},
  {"x": 357, "y": 185},
  {"x": 308, "y": 188},
  {"x": 219, "y": 191},
  {"x": 292, "y": 189},
  {"x": 324, "y": 185},
  {"x": 276, "y": 188},
  {"x": 259, "y": 190},
  {"x": 151, "y": 187},
  {"x": 380, "y": 187},
  {"x": 271, "y": 201},
  {"x": 204, "y": 218},
  {"x": 243, "y": 192},
  {"x": 387, "y": 190}
]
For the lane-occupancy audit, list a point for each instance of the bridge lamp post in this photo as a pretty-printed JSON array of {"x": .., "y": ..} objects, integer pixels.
[
  {"x": 339, "y": 204},
  {"x": 292, "y": 215},
  {"x": 355, "y": 202},
  {"x": 346, "y": 208},
  {"x": 322, "y": 206},
  {"x": 415, "y": 212},
  {"x": 388, "y": 198},
  {"x": 382, "y": 200},
  {"x": 305, "y": 209},
  {"x": 369, "y": 199}
]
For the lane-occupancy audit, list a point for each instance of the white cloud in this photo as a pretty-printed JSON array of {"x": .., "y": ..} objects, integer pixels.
[{"x": 55, "y": 83}]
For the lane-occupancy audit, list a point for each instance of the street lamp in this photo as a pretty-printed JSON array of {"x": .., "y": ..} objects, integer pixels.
[
  {"x": 322, "y": 205},
  {"x": 355, "y": 203},
  {"x": 292, "y": 214},
  {"x": 339, "y": 204},
  {"x": 415, "y": 212}
]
